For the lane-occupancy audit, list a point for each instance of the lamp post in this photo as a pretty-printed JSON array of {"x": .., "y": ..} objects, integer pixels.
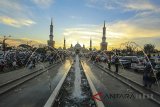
[{"x": 4, "y": 46}]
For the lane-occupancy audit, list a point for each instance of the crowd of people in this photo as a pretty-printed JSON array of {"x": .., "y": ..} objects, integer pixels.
[
  {"x": 14, "y": 59},
  {"x": 18, "y": 59},
  {"x": 97, "y": 57}
]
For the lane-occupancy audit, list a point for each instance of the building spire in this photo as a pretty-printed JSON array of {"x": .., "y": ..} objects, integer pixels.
[
  {"x": 104, "y": 43},
  {"x": 51, "y": 29},
  {"x": 90, "y": 44},
  {"x": 104, "y": 31},
  {"x": 51, "y": 42},
  {"x": 64, "y": 47},
  {"x": 83, "y": 46},
  {"x": 51, "y": 21}
]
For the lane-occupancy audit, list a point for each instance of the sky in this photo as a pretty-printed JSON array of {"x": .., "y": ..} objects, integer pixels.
[{"x": 80, "y": 20}]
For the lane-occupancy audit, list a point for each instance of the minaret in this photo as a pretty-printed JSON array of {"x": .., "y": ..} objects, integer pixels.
[
  {"x": 104, "y": 43},
  {"x": 90, "y": 45},
  {"x": 71, "y": 46},
  {"x": 64, "y": 47},
  {"x": 104, "y": 33},
  {"x": 51, "y": 42},
  {"x": 51, "y": 31}
]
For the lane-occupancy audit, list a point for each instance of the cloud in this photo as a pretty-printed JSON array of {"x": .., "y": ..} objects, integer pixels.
[
  {"x": 43, "y": 3},
  {"x": 136, "y": 5},
  {"x": 139, "y": 6},
  {"x": 84, "y": 32},
  {"x": 17, "y": 42},
  {"x": 12, "y": 5},
  {"x": 133, "y": 29},
  {"x": 141, "y": 31},
  {"x": 15, "y": 14},
  {"x": 81, "y": 34},
  {"x": 125, "y": 5},
  {"x": 144, "y": 22},
  {"x": 15, "y": 22},
  {"x": 129, "y": 29}
]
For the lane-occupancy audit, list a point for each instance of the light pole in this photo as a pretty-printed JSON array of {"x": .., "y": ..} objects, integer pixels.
[{"x": 4, "y": 46}]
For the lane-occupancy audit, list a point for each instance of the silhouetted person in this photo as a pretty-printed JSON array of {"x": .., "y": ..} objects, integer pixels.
[
  {"x": 34, "y": 62},
  {"x": 148, "y": 72},
  {"x": 147, "y": 75},
  {"x": 109, "y": 62},
  {"x": 2, "y": 66},
  {"x": 116, "y": 64}
]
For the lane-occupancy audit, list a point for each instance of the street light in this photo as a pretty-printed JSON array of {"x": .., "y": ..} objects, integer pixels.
[{"x": 4, "y": 46}]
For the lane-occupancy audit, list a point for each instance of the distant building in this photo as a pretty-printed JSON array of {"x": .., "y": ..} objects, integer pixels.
[
  {"x": 90, "y": 48},
  {"x": 71, "y": 48},
  {"x": 78, "y": 48},
  {"x": 51, "y": 42},
  {"x": 83, "y": 46},
  {"x": 64, "y": 45},
  {"x": 104, "y": 44}
]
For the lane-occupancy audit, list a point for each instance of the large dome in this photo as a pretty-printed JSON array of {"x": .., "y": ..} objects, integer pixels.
[{"x": 77, "y": 45}]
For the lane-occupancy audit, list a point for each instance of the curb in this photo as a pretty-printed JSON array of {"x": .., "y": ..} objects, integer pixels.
[
  {"x": 1, "y": 85},
  {"x": 157, "y": 93},
  {"x": 152, "y": 99},
  {"x": 94, "y": 91},
  {"x": 15, "y": 85},
  {"x": 54, "y": 94}
]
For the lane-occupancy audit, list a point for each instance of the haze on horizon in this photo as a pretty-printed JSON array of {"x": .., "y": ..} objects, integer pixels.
[{"x": 78, "y": 20}]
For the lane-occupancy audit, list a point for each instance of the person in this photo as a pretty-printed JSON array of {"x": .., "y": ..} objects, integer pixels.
[
  {"x": 14, "y": 64},
  {"x": 34, "y": 62},
  {"x": 147, "y": 75},
  {"x": 109, "y": 62},
  {"x": 116, "y": 64},
  {"x": 97, "y": 59},
  {"x": 2, "y": 66},
  {"x": 50, "y": 59},
  {"x": 30, "y": 66}
]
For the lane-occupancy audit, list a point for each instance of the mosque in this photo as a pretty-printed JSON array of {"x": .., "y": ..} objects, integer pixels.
[{"x": 78, "y": 48}]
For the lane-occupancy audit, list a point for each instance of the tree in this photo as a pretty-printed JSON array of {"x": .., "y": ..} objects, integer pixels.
[
  {"x": 25, "y": 46},
  {"x": 149, "y": 48},
  {"x": 129, "y": 49}
]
